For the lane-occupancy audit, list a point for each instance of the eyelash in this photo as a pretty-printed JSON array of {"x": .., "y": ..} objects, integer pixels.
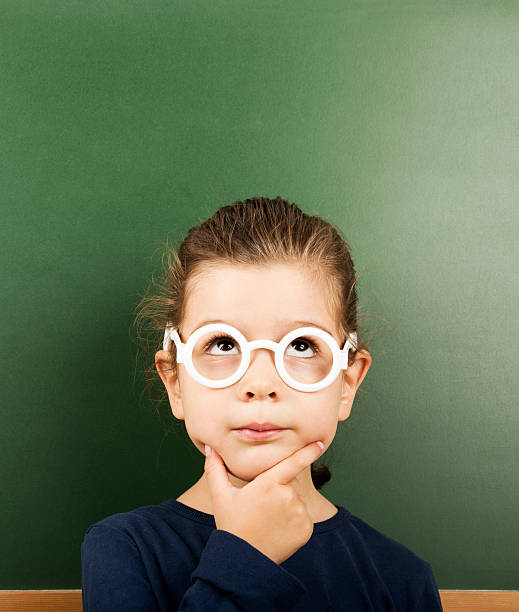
[{"x": 218, "y": 336}]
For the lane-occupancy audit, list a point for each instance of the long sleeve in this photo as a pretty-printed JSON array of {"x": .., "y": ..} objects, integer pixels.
[
  {"x": 430, "y": 597},
  {"x": 231, "y": 575},
  {"x": 113, "y": 575},
  {"x": 171, "y": 557}
]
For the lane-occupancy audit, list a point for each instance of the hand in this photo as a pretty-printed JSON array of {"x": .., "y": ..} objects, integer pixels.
[{"x": 267, "y": 512}]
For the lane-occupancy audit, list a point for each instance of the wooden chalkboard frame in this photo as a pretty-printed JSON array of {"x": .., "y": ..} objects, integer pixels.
[{"x": 69, "y": 600}]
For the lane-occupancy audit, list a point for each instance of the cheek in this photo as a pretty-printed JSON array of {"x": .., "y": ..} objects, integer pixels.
[
  {"x": 203, "y": 420},
  {"x": 204, "y": 414},
  {"x": 320, "y": 417},
  {"x": 202, "y": 430},
  {"x": 315, "y": 428}
]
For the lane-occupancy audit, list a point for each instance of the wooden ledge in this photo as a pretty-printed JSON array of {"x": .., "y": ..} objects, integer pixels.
[{"x": 69, "y": 600}]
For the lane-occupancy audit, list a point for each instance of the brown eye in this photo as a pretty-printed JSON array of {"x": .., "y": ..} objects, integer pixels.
[
  {"x": 223, "y": 342},
  {"x": 303, "y": 345}
]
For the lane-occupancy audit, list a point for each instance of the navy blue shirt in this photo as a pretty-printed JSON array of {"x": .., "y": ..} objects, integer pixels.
[{"x": 170, "y": 556}]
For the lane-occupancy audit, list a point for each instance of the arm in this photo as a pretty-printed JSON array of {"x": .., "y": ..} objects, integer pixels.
[
  {"x": 113, "y": 576},
  {"x": 234, "y": 575},
  {"x": 231, "y": 575},
  {"x": 429, "y": 600}
]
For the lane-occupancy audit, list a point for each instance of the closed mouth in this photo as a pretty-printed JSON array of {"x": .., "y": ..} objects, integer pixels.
[
  {"x": 253, "y": 434},
  {"x": 261, "y": 426}
]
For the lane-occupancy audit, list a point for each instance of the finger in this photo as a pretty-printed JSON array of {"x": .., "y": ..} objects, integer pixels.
[
  {"x": 216, "y": 475},
  {"x": 287, "y": 469}
]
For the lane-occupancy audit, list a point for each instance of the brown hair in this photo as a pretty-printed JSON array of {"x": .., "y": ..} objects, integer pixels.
[{"x": 254, "y": 231}]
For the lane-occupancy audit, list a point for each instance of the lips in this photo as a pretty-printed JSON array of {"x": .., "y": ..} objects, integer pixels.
[
  {"x": 259, "y": 431},
  {"x": 261, "y": 426},
  {"x": 252, "y": 434}
]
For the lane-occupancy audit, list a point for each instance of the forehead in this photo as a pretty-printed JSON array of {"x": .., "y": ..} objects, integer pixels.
[{"x": 259, "y": 300}]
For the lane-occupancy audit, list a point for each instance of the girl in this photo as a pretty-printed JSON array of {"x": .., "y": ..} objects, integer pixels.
[{"x": 261, "y": 360}]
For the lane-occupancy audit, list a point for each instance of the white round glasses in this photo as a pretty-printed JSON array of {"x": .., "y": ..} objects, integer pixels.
[{"x": 311, "y": 369}]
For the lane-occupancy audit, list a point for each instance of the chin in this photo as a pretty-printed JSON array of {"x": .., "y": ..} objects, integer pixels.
[{"x": 249, "y": 465}]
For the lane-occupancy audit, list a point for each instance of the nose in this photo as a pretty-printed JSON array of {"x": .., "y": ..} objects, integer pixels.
[
  {"x": 261, "y": 377},
  {"x": 262, "y": 355},
  {"x": 266, "y": 348},
  {"x": 268, "y": 344}
]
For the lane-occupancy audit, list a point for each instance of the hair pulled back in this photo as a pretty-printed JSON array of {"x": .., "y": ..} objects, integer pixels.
[{"x": 257, "y": 231}]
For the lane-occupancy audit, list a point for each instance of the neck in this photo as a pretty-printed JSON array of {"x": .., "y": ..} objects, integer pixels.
[{"x": 318, "y": 507}]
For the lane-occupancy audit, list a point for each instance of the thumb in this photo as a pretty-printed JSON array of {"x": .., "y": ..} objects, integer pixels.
[{"x": 216, "y": 474}]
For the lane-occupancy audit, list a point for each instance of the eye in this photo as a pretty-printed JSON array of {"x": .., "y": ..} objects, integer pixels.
[
  {"x": 221, "y": 344},
  {"x": 302, "y": 344}
]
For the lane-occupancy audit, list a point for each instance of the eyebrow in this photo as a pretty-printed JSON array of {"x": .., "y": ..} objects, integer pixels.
[{"x": 284, "y": 324}]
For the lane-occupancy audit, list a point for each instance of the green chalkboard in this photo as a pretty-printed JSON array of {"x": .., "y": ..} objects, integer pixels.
[{"x": 124, "y": 123}]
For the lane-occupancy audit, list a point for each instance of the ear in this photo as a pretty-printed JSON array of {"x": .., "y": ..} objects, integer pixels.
[
  {"x": 352, "y": 378},
  {"x": 169, "y": 377}
]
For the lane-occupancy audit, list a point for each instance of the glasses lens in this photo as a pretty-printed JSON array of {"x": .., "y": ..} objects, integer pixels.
[
  {"x": 308, "y": 359},
  {"x": 216, "y": 355}
]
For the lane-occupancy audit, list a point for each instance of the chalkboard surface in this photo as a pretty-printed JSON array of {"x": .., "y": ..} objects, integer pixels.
[{"x": 124, "y": 123}]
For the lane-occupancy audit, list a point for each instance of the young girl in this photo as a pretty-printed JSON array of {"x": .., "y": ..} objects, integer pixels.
[{"x": 261, "y": 359}]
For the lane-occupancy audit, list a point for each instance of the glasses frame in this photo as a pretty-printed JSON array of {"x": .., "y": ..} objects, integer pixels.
[{"x": 185, "y": 354}]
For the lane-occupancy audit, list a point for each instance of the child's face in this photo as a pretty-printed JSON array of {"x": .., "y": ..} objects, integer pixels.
[{"x": 260, "y": 302}]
